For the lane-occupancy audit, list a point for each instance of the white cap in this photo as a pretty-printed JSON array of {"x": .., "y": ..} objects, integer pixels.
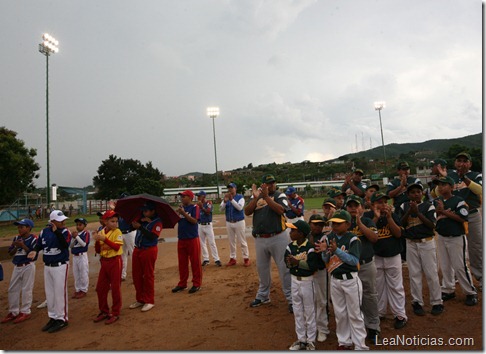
[{"x": 57, "y": 215}]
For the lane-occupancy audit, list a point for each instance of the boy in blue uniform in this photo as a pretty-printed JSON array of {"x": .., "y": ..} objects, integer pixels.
[
  {"x": 79, "y": 249},
  {"x": 206, "y": 229},
  {"x": 296, "y": 206}
]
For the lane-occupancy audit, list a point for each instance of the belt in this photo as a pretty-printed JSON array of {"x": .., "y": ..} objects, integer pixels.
[
  {"x": 473, "y": 211},
  {"x": 425, "y": 239},
  {"x": 57, "y": 264},
  {"x": 78, "y": 254},
  {"x": 233, "y": 221},
  {"x": 298, "y": 277},
  {"x": 22, "y": 264},
  {"x": 205, "y": 223},
  {"x": 345, "y": 276},
  {"x": 366, "y": 260},
  {"x": 265, "y": 235},
  {"x": 125, "y": 232}
]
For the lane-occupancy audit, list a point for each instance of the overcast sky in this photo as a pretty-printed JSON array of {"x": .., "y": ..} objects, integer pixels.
[{"x": 294, "y": 80}]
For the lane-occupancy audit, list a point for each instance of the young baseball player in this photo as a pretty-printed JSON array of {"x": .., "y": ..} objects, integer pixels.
[
  {"x": 341, "y": 254},
  {"x": 296, "y": 206},
  {"x": 79, "y": 249},
  {"x": 328, "y": 208},
  {"x": 109, "y": 242},
  {"x": 452, "y": 212},
  {"x": 206, "y": 231},
  {"x": 23, "y": 274},
  {"x": 418, "y": 221},
  {"x": 54, "y": 242},
  {"x": 301, "y": 259},
  {"x": 389, "y": 280},
  {"x": 188, "y": 245},
  {"x": 338, "y": 195},
  {"x": 319, "y": 230},
  {"x": 368, "y": 193}
]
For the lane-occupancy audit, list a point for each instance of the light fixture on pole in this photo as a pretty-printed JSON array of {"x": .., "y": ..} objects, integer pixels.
[
  {"x": 213, "y": 112},
  {"x": 378, "y": 107},
  {"x": 47, "y": 47}
]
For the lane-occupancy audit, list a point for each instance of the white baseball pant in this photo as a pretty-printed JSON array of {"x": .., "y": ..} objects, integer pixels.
[
  {"x": 389, "y": 285},
  {"x": 55, "y": 283},
  {"x": 236, "y": 233},
  {"x": 20, "y": 289},
  {"x": 81, "y": 272},
  {"x": 128, "y": 244},
  {"x": 320, "y": 296},
  {"x": 206, "y": 232},
  {"x": 475, "y": 244},
  {"x": 304, "y": 308}
]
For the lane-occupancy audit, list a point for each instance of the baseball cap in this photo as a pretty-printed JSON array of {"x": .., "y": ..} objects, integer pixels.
[
  {"x": 403, "y": 165},
  {"x": 377, "y": 196},
  {"x": 329, "y": 201},
  {"x": 231, "y": 185},
  {"x": 316, "y": 218},
  {"x": 300, "y": 225},
  {"x": 109, "y": 214},
  {"x": 334, "y": 192},
  {"x": 57, "y": 215},
  {"x": 445, "y": 179},
  {"x": 187, "y": 192},
  {"x": 148, "y": 206},
  {"x": 25, "y": 222},
  {"x": 464, "y": 154},
  {"x": 359, "y": 170},
  {"x": 439, "y": 162},
  {"x": 415, "y": 185},
  {"x": 100, "y": 213},
  {"x": 268, "y": 178},
  {"x": 201, "y": 193},
  {"x": 81, "y": 220},
  {"x": 377, "y": 187},
  {"x": 354, "y": 198},
  {"x": 290, "y": 191},
  {"x": 341, "y": 216}
]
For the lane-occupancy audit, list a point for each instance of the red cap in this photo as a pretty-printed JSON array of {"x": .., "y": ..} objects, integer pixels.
[
  {"x": 188, "y": 192},
  {"x": 108, "y": 214}
]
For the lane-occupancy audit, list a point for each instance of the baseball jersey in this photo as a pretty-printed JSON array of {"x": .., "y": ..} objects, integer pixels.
[
  {"x": 461, "y": 190},
  {"x": 185, "y": 229},
  {"x": 298, "y": 203},
  {"x": 322, "y": 238},
  {"x": 348, "y": 243},
  {"x": 20, "y": 256},
  {"x": 114, "y": 236},
  {"x": 415, "y": 229},
  {"x": 54, "y": 250},
  {"x": 387, "y": 244},
  {"x": 306, "y": 255},
  {"x": 206, "y": 214},
  {"x": 347, "y": 189},
  {"x": 148, "y": 234},
  {"x": 402, "y": 197},
  {"x": 366, "y": 246},
  {"x": 232, "y": 214},
  {"x": 79, "y": 248},
  {"x": 446, "y": 226},
  {"x": 267, "y": 221}
]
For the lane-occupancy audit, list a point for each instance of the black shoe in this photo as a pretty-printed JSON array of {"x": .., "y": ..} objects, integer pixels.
[
  {"x": 448, "y": 296},
  {"x": 400, "y": 322},
  {"x": 418, "y": 309},
  {"x": 48, "y": 325},
  {"x": 218, "y": 263},
  {"x": 205, "y": 263},
  {"x": 291, "y": 308},
  {"x": 437, "y": 309},
  {"x": 471, "y": 300},
  {"x": 258, "y": 302},
  {"x": 178, "y": 289},
  {"x": 194, "y": 289},
  {"x": 60, "y": 324},
  {"x": 373, "y": 335}
]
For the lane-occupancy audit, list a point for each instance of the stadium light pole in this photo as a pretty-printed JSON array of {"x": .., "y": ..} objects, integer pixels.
[
  {"x": 378, "y": 107},
  {"x": 48, "y": 46},
  {"x": 213, "y": 112}
]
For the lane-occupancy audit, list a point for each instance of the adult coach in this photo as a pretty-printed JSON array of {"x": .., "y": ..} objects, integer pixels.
[
  {"x": 268, "y": 207},
  {"x": 353, "y": 183},
  {"x": 397, "y": 187}
]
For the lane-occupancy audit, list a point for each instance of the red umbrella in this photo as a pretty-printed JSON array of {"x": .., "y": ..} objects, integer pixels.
[{"x": 129, "y": 209}]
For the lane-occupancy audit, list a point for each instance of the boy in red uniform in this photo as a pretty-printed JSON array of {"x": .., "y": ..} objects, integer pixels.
[{"x": 108, "y": 244}]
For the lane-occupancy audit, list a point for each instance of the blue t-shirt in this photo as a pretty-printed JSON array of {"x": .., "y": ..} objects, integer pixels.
[
  {"x": 21, "y": 254},
  {"x": 53, "y": 251}
]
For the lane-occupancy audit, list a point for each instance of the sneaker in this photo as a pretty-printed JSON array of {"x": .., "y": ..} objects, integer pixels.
[
  {"x": 418, "y": 309},
  {"x": 81, "y": 294},
  {"x": 75, "y": 295},
  {"x": 205, "y": 263},
  {"x": 321, "y": 337},
  {"x": 178, "y": 289},
  {"x": 42, "y": 305},
  {"x": 258, "y": 302},
  {"x": 111, "y": 319},
  {"x": 218, "y": 263},
  {"x": 60, "y": 324},
  {"x": 147, "y": 307},
  {"x": 298, "y": 346},
  {"x": 246, "y": 262},
  {"x": 448, "y": 296},
  {"x": 471, "y": 300},
  {"x": 10, "y": 317},
  {"x": 231, "y": 262},
  {"x": 123, "y": 279},
  {"x": 135, "y": 305},
  {"x": 372, "y": 335},
  {"x": 22, "y": 317},
  {"x": 400, "y": 322},
  {"x": 101, "y": 316},
  {"x": 49, "y": 325},
  {"x": 291, "y": 308},
  {"x": 194, "y": 289},
  {"x": 437, "y": 309},
  {"x": 310, "y": 346}
]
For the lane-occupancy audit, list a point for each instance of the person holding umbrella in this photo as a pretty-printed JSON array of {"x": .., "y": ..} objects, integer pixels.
[{"x": 148, "y": 227}]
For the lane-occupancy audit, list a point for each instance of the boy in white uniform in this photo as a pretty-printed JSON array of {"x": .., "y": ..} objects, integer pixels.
[{"x": 79, "y": 249}]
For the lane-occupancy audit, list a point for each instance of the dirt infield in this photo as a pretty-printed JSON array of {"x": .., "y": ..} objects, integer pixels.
[{"x": 218, "y": 317}]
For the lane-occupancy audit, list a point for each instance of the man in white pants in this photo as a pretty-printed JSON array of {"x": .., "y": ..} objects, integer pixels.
[
  {"x": 233, "y": 205},
  {"x": 206, "y": 231}
]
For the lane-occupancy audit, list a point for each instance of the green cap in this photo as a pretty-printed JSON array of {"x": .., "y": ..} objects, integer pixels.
[
  {"x": 403, "y": 165},
  {"x": 439, "y": 162},
  {"x": 300, "y": 225},
  {"x": 377, "y": 196},
  {"x": 329, "y": 201},
  {"x": 268, "y": 178},
  {"x": 316, "y": 218},
  {"x": 445, "y": 179},
  {"x": 377, "y": 187},
  {"x": 415, "y": 185},
  {"x": 464, "y": 154},
  {"x": 354, "y": 198},
  {"x": 341, "y": 216},
  {"x": 359, "y": 170},
  {"x": 334, "y": 192}
]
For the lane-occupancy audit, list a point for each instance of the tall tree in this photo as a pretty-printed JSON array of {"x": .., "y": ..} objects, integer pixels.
[{"x": 17, "y": 167}]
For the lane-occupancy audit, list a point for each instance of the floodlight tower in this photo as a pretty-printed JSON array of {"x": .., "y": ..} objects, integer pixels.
[
  {"x": 213, "y": 112},
  {"x": 378, "y": 107}
]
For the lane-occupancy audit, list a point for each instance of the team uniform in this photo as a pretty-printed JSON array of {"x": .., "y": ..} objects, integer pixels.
[
  {"x": 128, "y": 244},
  {"x": 402, "y": 197},
  {"x": 206, "y": 232},
  {"x": 189, "y": 248},
  {"x": 302, "y": 289},
  {"x": 346, "y": 290},
  {"x": 235, "y": 224},
  {"x": 79, "y": 249},
  {"x": 452, "y": 245},
  {"x": 298, "y": 203},
  {"x": 23, "y": 276},
  {"x": 347, "y": 189},
  {"x": 321, "y": 294}
]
